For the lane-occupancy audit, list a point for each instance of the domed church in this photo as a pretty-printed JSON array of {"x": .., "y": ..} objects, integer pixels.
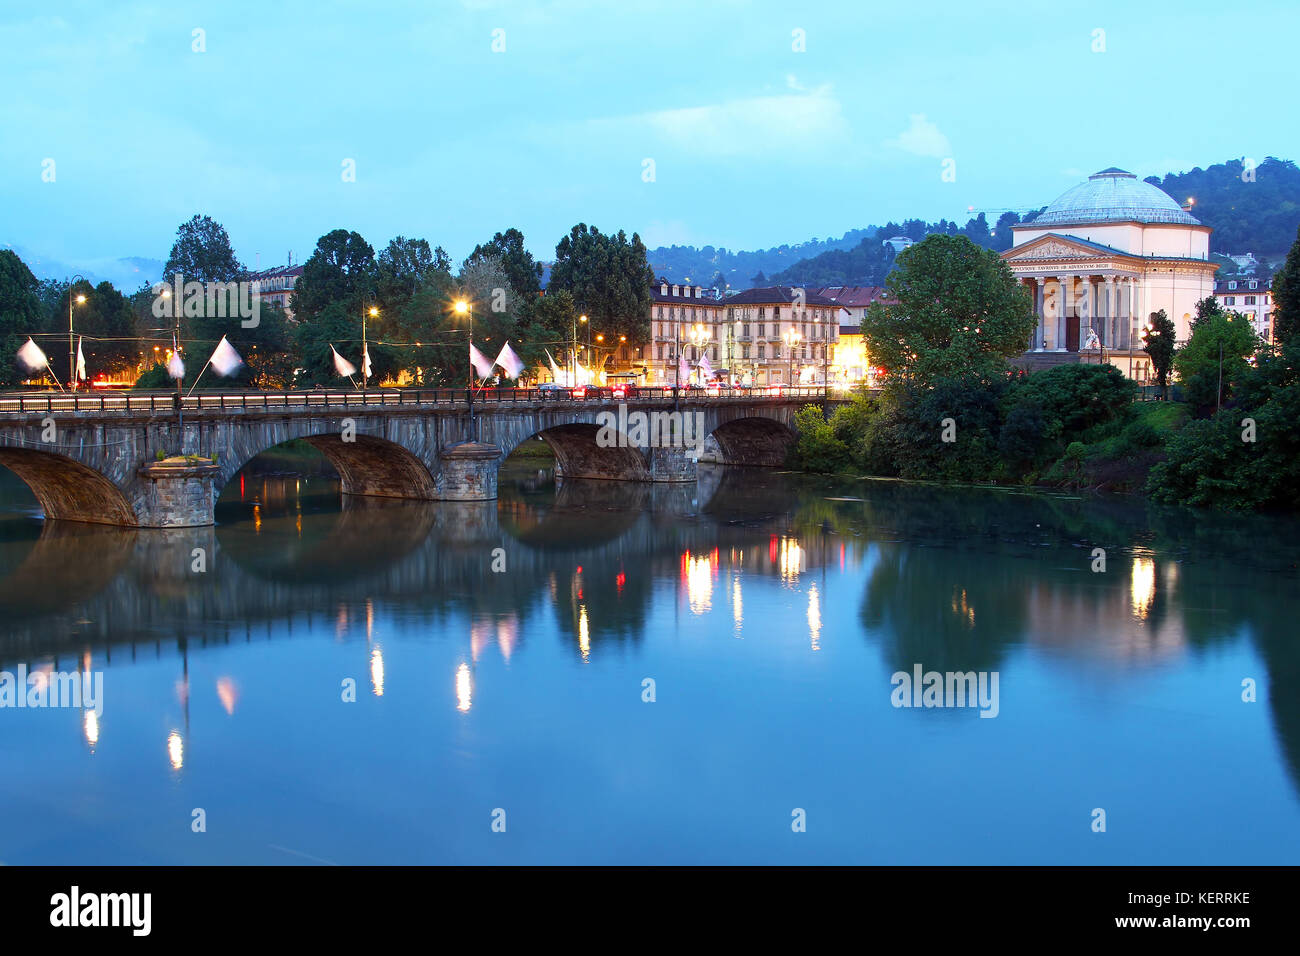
[{"x": 1099, "y": 260}]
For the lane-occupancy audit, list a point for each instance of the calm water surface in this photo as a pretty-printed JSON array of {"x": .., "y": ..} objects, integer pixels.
[{"x": 770, "y": 611}]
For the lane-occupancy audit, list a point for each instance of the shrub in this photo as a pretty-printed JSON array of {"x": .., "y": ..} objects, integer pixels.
[{"x": 816, "y": 448}]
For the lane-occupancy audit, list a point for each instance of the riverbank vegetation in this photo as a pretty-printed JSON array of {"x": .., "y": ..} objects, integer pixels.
[{"x": 954, "y": 411}]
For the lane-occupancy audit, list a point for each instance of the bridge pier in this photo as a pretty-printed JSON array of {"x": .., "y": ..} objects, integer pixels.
[
  {"x": 671, "y": 464},
  {"x": 469, "y": 472},
  {"x": 176, "y": 493}
]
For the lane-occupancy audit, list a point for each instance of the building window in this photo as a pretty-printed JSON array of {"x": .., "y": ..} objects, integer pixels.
[
  {"x": 1230, "y": 300},
  {"x": 1232, "y": 285},
  {"x": 762, "y": 349},
  {"x": 761, "y": 326},
  {"x": 1250, "y": 299},
  {"x": 744, "y": 352}
]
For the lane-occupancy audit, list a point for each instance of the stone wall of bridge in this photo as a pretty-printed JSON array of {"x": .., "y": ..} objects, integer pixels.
[{"x": 101, "y": 467}]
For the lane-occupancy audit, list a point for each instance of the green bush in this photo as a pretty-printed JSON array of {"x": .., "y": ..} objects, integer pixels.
[{"x": 817, "y": 448}]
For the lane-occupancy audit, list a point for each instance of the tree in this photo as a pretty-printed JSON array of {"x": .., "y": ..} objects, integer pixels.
[
  {"x": 525, "y": 272},
  {"x": 960, "y": 313},
  {"x": 202, "y": 253},
  {"x": 20, "y": 313},
  {"x": 333, "y": 325},
  {"x": 341, "y": 271},
  {"x": 107, "y": 324},
  {"x": 1215, "y": 357},
  {"x": 546, "y": 325},
  {"x": 609, "y": 278},
  {"x": 1286, "y": 296},
  {"x": 1158, "y": 341}
]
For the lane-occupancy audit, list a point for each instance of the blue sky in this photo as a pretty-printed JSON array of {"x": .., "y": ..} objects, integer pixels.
[{"x": 753, "y": 143}]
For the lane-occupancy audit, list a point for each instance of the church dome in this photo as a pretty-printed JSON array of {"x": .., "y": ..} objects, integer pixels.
[{"x": 1113, "y": 195}]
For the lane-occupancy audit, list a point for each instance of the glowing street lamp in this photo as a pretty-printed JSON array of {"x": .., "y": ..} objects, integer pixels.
[
  {"x": 72, "y": 355},
  {"x": 791, "y": 337},
  {"x": 374, "y": 311}
]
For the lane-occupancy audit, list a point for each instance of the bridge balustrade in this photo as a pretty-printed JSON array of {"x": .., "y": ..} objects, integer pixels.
[{"x": 163, "y": 403}]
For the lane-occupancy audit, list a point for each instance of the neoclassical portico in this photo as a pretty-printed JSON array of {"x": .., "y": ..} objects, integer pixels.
[{"x": 1104, "y": 257}]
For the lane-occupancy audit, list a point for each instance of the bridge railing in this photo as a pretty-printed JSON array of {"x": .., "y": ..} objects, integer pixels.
[{"x": 162, "y": 403}]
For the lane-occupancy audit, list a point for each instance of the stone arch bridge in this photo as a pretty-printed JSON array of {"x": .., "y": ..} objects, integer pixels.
[{"x": 149, "y": 460}]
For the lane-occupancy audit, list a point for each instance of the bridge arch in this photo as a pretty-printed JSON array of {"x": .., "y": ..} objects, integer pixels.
[
  {"x": 753, "y": 440},
  {"x": 68, "y": 489},
  {"x": 366, "y": 465},
  {"x": 579, "y": 455}
]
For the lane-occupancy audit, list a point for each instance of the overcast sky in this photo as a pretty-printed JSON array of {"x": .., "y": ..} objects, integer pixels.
[{"x": 753, "y": 143}]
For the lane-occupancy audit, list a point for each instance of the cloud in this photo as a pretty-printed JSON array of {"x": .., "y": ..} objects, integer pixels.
[
  {"x": 798, "y": 119},
  {"x": 922, "y": 138}
]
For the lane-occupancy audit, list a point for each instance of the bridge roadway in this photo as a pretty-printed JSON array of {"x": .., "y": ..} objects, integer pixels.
[{"x": 115, "y": 458}]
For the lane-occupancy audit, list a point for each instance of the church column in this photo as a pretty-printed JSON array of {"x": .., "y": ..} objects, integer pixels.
[
  {"x": 1040, "y": 330},
  {"x": 1107, "y": 331},
  {"x": 1088, "y": 309},
  {"x": 1132, "y": 313},
  {"x": 1062, "y": 309}
]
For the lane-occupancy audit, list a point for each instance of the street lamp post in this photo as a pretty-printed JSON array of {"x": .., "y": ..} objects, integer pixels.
[
  {"x": 791, "y": 337},
  {"x": 1218, "y": 398},
  {"x": 462, "y": 307},
  {"x": 72, "y": 355},
  {"x": 699, "y": 338},
  {"x": 364, "y": 354}
]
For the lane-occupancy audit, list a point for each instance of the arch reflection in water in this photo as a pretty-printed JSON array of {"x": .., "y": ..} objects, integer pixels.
[{"x": 830, "y": 595}]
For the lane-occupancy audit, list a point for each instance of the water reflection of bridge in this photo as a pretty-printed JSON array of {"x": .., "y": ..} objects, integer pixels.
[
  {"x": 957, "y": 579},
  {"x": 426, "y": 556}
]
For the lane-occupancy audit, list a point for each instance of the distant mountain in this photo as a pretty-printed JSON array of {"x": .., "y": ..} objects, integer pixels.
[
  {"x": 1256, "y": 211},
  {"x": 127, "y": 275},
  {"x": 701, "y": 266},
  {"x": 1250, "y": 211}
]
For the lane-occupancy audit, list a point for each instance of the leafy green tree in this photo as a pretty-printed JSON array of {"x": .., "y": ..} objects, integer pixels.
[
  {"x": 1074, "y": 398},
  {"x": 817, "y": 448},
  {"x": 960, "y": 313},
  {"x": 525, "y": 273},
  {"x": 202, "y": 253},
  {"x": 106, "y": 323},
  {"x": 546, "y": 324},
  {"x": 609, "y": 278},
  {"x": 1286, "y": 296},
  {"x": 1216, "y": 356},
  {"x": 1159, "y": 341},
  {"x": 341, "y": 271},
  {"x": 336, "y": 326},
  {"x": 20, "y": 314}
]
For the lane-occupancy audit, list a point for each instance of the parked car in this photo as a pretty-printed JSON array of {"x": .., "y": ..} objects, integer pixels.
[
  {"x": 552, "y": 390},
  {"x": 584, "y": 392},
  {"x": 619, "y": 391}
]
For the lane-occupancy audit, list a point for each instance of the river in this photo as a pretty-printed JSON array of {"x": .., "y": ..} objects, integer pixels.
[{"x": 602, "y": 672}]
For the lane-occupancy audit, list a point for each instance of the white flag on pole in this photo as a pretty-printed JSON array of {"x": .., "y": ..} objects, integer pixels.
[
  {"x": 365, "y": 358},
  {"x": 81, "y": 361},
  {"x": 342, "y": 365},
  {"x": 225, "y": 360},
  {"x": 706, "y": 367},
  {"x": 32, "y": 357},
  {"x": 175, "y": 367},
  {"x": 482, "y": 364},
  {"x": 683, "y": 370},
  {"x": 556, "y": 374},
  {"x": 509, "y": 361}
]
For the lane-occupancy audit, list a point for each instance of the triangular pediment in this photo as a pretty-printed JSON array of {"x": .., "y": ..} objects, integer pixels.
[{"x": 1056, "y": 246}]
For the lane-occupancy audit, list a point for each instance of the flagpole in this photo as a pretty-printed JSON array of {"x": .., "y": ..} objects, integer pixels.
[{"x": 196, "y": 381}]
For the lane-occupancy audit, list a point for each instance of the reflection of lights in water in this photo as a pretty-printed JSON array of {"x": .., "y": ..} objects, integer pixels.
[
  {"x": 298, "y": 524},
  {"x": 814, "y": 617},
  {"x": 341, "y": 622},
  {"x": 462, "y": 688},
  {"x": 480, "y": 632},
  {"x": 1171, "y": 577},
  {"x": 1144, "y": 585},
  {"x": 698, "y": 572},
  {"x": 370, "y": 620},
  {"x": 584, "y": 633},
  {"x": 737, "y": 605},
  {"x": 961, "y": 607},
  {"x": 377, "y": 670},
  {"x": 257, "y": 519},
  {"x": 228, "y": 693},
  {"x": 90, "y": 727},
  {"x": 619, "y": 581},
  {"x": 507, "y": 635},
  {"x": 790, "y": 559},
  {"x": 176, "y": 750}
]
